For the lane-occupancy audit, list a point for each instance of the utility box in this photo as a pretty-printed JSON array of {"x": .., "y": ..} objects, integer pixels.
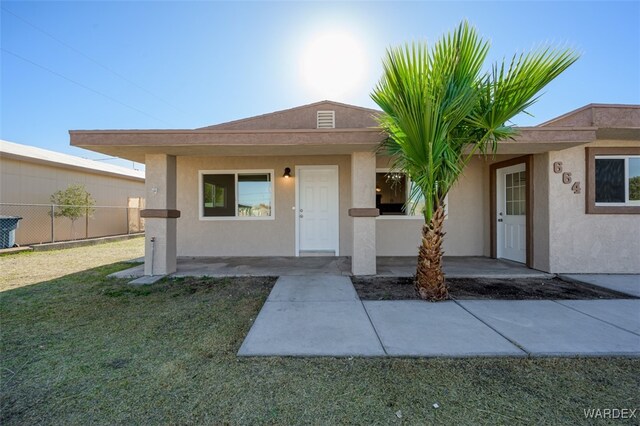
[{"x": 8, "y": 226}]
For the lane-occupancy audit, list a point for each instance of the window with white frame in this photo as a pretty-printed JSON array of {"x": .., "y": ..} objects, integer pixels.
[
  {"x": 246, "y": 194},
  {"x": 617, "y": 180}
]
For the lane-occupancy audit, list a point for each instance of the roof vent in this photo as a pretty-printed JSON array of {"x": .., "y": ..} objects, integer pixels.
[{"x": 326, "y": 119}]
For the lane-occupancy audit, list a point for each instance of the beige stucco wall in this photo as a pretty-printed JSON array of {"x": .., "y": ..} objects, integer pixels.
[
  {"x": 252, "y": 237},
  {"x": 565, "y": 238},
  {"x": 588, "y": 243},
  {"x": 23, "y": 182},
  {"x": 465, "y": 223}
]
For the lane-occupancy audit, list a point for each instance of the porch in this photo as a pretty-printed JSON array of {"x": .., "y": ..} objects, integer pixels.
[{"x": 401, "y": 266}]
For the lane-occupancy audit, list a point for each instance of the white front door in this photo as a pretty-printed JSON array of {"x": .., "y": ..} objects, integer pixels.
[
  {"x": 511, "y": 209},
  {"x": 317, "y": 210}
]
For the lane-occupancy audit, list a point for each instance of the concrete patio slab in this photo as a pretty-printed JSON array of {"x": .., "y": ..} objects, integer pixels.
[
  {"x": 312, "y": 329},
  {"x": 313, "y": 289},
  {"x": 147, "y": 279},
  {"x": 547, "y": 328},
  {"x": 134, "y": 272},
  {"x": 262, "y": 266},
  {"x": 460, "y": 267},
  {"x": 621, "y": 313},
  {"x": 417, "y": 328},
  {"x": 624, "y": 283}
]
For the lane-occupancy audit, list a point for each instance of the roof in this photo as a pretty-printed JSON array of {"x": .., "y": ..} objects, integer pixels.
[
  {"x": 44, "y": 156},
  {"x": 612, "y": 121},
  {"x": 294, "y": 132},
  {"x": 304, "y": 117}
]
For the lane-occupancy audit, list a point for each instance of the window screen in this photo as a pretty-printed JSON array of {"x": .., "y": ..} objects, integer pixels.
[{"x": 610, "y": 181}]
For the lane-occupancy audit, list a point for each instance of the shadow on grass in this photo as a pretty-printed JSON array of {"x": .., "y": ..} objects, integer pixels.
[
  {"x": 83, "y": 336},
  {"x": 118, "y": 287}
]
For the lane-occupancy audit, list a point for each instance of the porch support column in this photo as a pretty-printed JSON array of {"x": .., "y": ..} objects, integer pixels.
[
  {"x": 363, "y": 213},
  {"x": 160, "y": 214}
]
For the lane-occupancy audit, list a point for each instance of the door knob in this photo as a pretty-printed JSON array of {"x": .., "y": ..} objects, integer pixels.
[{"x": 301, "y": 216}]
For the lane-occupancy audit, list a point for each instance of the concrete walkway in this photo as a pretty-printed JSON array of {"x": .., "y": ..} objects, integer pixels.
[
  {"x": 624, "y": 283},
  {"x": 312, "y": 316},
  {"x": 322, "y": 316}
]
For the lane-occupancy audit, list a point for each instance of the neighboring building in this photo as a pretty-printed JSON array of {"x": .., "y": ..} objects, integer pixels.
[
  {"x": 30, "y": 175},
  {"x": 560, "y": 198}
]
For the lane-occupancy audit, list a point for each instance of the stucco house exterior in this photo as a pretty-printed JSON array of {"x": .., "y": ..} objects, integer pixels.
[
  {"x": 29, "y": 175},
  {"x": 561, "y": 198}
]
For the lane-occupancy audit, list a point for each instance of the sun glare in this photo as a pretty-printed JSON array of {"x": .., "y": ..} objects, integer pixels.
[{"x": 333, "y": 65}]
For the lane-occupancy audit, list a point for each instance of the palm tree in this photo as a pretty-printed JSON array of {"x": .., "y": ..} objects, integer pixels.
[{"x": 440, "y": 108}]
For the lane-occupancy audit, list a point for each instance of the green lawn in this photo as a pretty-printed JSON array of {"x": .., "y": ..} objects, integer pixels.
[{"x": 85, "y": 349}]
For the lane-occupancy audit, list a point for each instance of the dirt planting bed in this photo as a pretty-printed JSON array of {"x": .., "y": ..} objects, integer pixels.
[{"x": 402, "y": 288}]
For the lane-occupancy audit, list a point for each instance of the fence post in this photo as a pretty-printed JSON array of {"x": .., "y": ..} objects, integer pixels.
[
  {"x": 53, "y": 212},
  {"x": 86, "y": 216}
]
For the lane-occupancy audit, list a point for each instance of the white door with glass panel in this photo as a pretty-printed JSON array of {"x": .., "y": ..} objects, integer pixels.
[
  {"x": 317, "y": 210},
  {"x": 511, "y": 210}
]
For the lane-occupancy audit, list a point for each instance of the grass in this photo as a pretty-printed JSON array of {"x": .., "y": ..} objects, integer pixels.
[
  {"x": 86, "y": 349},
  {"x": 28, "y": 268}
]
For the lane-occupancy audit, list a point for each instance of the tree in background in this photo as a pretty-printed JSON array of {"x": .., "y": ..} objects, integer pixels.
[
  {"x": 73, "y": 203},
  {"x": 441, "y": 107},
  {"x": 634, "y": 188}
]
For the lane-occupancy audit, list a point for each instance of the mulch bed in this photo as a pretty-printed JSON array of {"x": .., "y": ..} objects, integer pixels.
[{"x": 401, "y": 288}]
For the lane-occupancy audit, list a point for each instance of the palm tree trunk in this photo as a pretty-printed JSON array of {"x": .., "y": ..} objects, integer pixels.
[{"x": 429, "y": 281}]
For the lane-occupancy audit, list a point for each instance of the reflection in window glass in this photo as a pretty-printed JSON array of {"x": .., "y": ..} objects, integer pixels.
[
  {"x": 417, "y": 207},
  {"x": 610, "y": 184},
  {"x": 634, "y": 179},
  {"x": 218, "y": 194},
  {"x": 254, "y": 195},
  {"x": 391, "y": 193},
  {"x": 214, "y": 196}
]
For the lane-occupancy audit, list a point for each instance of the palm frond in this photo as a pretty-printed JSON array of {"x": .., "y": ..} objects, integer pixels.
[{"x": 437, "y": 103}]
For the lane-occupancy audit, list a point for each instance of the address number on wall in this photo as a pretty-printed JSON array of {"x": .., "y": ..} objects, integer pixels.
[{"x": 566, "y": 177}]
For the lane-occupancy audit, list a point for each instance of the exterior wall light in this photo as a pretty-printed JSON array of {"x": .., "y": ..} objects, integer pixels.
[{"x": 287, "y": 173}]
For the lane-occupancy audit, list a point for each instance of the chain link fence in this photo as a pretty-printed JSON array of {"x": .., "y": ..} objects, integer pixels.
[{"x": 46, "y": 223}]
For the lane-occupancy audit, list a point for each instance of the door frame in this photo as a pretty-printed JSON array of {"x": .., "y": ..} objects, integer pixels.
[
  {"x": 333, "y": 167},
  {"x": 527, "y": 160}
]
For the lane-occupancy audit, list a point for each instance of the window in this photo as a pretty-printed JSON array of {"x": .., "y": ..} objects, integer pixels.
[
  {"x": 613, "y": 180},
  {"x": 617, "y": 180},
  {"x": 392, "y": 193},
  {"x": 515, "y": 197},
  {"x": 237, "y": 195}
]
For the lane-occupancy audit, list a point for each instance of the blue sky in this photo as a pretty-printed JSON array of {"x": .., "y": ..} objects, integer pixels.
[{"x": 137, "y": 65}]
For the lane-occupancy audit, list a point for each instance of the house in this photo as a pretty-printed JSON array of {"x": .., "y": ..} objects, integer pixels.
[
  {"x": 561, "y": 198},
  {"x": 30, "y": 175}
]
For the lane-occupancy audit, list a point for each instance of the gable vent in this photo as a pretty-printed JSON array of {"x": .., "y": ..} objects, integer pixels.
[{"x": 326, "y": 119}]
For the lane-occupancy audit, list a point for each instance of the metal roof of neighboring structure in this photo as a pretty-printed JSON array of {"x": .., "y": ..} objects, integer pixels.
[{"x": 44, "y": 156}]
